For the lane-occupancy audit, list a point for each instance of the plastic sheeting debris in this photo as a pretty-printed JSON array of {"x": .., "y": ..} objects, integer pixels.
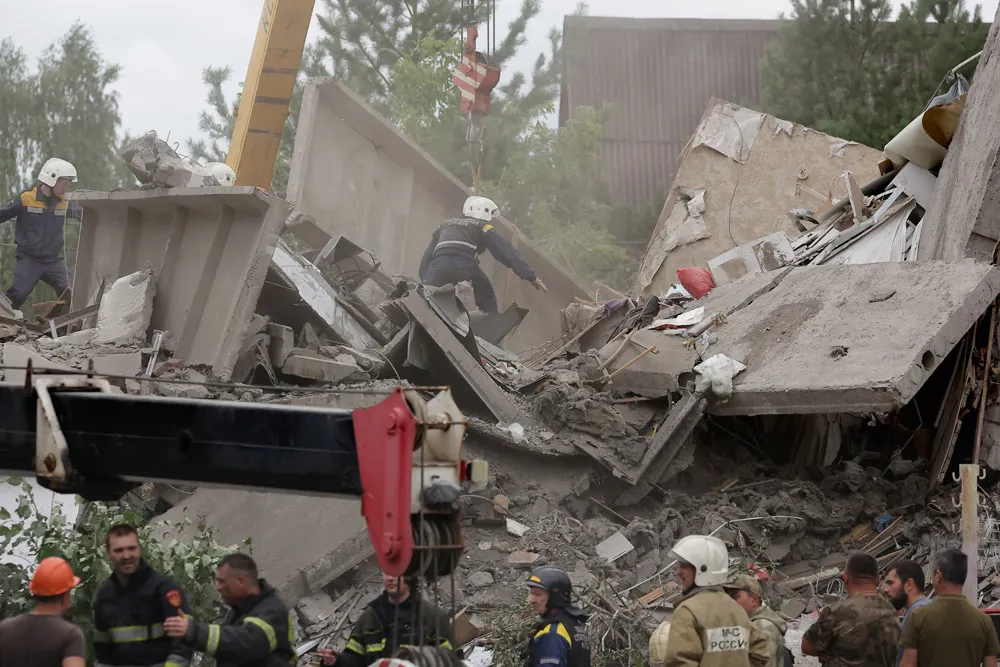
[
  {"x": 730, "y": 130},
  {"x": 684, "y": 320},
  {"x": 717, "y": 373}
]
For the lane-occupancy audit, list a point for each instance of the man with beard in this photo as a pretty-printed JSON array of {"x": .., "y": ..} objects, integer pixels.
[
  {"x": 904, "y": 587},
  {"x": 131, "y": 607}
]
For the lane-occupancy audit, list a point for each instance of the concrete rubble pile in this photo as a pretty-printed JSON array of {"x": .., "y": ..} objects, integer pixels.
[{"x": 813, "y": 400}]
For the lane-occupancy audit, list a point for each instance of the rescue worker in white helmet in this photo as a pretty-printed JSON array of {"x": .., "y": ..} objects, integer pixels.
[
  {"x": 40, "y": 214},
  {"x": 560, "y": 639},
  {"x": 708, "y": 627},
  {"x": 453, "y": 253}
]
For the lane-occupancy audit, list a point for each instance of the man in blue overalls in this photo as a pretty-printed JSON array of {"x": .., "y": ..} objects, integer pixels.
[
  {"x": 41, "y": 213},
  {"x": 453, "y": 253}
]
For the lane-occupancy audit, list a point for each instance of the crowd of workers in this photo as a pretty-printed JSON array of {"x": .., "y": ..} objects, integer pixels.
[{"x": 143, "y": 617}]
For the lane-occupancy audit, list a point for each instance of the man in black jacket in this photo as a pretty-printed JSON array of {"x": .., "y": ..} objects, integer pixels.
[
  {"x": 452, "y": 256},
  {"x": 258, "y": 630},
  {"x": 395, "y": 619},
  {"x": 131, "y": 607}
]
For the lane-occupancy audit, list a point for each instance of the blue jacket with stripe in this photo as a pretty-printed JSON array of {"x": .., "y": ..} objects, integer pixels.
[
  {"x": 259, "y": 632},
  {"x": 560, "y": 640},
  {"x": 38, "y": 231}
]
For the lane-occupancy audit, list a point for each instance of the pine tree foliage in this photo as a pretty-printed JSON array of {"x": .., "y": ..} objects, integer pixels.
[
  {"x": 65, "y": 107},
  {"x": 845, "y": 67}
]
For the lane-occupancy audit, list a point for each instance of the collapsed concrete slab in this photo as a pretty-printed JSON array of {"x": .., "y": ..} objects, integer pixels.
[
  {"x": 845, "y": 338},
  {"x": 208, "y": 248},
  {"x": 739, "y": 176},
  {"x": 320, "y": 297},
  {"x": 354, "y": 174},
  {"x": 965, "y": 218}
]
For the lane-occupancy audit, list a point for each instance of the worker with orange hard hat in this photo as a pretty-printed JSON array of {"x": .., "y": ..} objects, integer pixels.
[{"x": 42, "y": 637}]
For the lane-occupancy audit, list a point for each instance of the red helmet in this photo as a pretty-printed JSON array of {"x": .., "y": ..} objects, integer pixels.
[{"x": 53, "y": 577}]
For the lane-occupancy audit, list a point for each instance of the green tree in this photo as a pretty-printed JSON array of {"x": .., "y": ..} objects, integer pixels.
[
  {"x": 31, "y": 534},
  {"x": 66, "y": 108},
  {"x": 843, "y": 67}
]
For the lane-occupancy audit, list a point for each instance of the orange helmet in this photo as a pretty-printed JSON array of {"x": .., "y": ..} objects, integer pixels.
[{"x": 54, "y": 576}]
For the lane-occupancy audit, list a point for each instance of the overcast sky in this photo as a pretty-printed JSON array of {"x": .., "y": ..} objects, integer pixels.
[{"x": 162, "y": 47}]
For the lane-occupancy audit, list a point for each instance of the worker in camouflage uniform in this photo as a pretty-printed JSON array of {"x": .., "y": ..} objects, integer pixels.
[
  {"x": 861, "y": 631},
  {"x": 746, "y": 592}
]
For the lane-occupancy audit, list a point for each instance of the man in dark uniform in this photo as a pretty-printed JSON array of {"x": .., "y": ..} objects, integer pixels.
[
  {"x": 453, "y": 253},
  {"x": 131, "y": 607},
  {"x": 258, "y": 631},
  {"x": 397, "y": 618},
  {"x": 560, "y": 639},
  {"x": 38, "y": 233}
]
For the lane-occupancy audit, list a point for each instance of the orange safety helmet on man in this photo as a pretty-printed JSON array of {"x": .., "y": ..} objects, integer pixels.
[{"x": 53, "y": 577}]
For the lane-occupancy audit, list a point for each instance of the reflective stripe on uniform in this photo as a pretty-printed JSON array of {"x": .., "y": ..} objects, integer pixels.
[
  {"x": 35, "y": 209},
  {"x": 560, "y": 630},
  {"x": 451, "y": 243},
  {"x": 60, "y": 212},
  {"x": 272, "y": 638},
  {"x": 126, "y": 634},
  {"x": 354, "y": 646},
  {"x": 101, "y": 637},
  {"x": 375, "y": 648},
  {"x": 212, "y": 645}
]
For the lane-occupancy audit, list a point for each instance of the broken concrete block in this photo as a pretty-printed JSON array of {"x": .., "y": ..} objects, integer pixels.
[
  {"x": 126, "y": 309},
  {"x": 125, "y": 363},
  {"x": 77, "y": 337},
  {"x": 522, "y": 558},
  {"x": 313, "y": 366},
  {"x": 6, "y": 309},
  {"x": 758, "y": 256},
  {"x": 282, "y": 343},
  {"x": 614, "y": 547},
  {"x": 177, "y": 390},
  {"x": 311, "y": 607},
  {"x": 18, "y": 356},
  {"x": 479, "y": 579}
]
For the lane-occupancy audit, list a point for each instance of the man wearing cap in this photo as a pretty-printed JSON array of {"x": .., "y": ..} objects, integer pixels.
[
  {"x": 42, "y": 637},
  {"x": 560, "y": 639},
  {"x": 746, "y": 592},
  {"x": 708, "y": 628}
]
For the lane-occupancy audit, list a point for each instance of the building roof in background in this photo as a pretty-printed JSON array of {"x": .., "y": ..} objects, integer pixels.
[{"x": 658, "y": 76}]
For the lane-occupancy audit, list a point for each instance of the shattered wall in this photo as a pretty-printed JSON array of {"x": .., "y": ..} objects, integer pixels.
[
  {"x": 965, "y": 218},
  {"x": 357, "y": 176},
  {"x": 740, "y": 175},
  {"x": 208, "y": 248}
]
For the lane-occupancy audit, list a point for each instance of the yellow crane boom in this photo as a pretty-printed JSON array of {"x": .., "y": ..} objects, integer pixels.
[{"x": 267, "y": 90}]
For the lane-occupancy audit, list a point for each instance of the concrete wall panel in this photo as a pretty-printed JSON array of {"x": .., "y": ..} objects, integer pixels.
[
  {"x": 845, "y": 338},
  {"x": 209, "y": 249},
  {"x": 357, "y": 176}
]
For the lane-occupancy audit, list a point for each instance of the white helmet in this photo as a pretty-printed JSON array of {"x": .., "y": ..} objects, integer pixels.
[
  {"x": 223, "y": 173},
  {"x": 708, "y": 555},
  {"x": 54, "y": 169},
  {"x": 480, "y": 208}
]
